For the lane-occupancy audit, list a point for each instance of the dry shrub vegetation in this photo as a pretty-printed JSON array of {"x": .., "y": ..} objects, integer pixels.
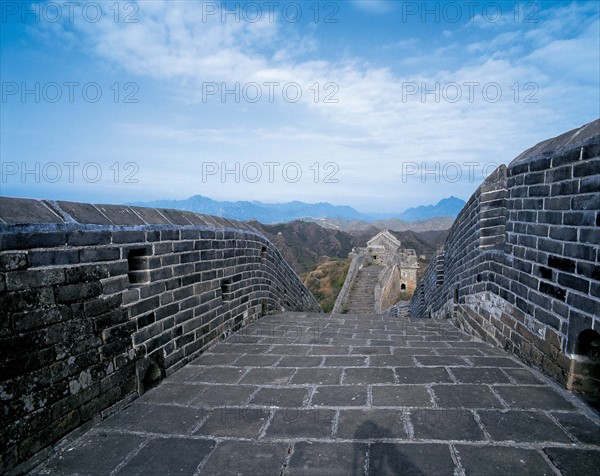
[{"x": 326, "y": 281}]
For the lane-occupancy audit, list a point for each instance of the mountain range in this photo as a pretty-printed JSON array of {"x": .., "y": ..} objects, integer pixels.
[
  {"x": 305, "y": 244},
  {"x": 270, "y": 213}
]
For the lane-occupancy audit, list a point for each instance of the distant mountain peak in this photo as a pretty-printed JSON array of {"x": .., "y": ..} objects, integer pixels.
[
  {"x": 449, "y": 206},
  {"x": 297, "y": 210}
]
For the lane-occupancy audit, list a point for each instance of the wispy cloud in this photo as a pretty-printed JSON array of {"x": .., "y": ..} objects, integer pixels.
[{"x": 441, "y": 103}]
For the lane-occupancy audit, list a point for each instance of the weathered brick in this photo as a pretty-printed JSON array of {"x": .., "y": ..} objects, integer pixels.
[
  {"x": 146, "y": 320},
  {"x": 552, "y": 290},
  {"x": 557, "y": 203},
  {"x": 152, "y": 289},
  {"x": 574, "y": 282},
  {"x": 534, "y": 178},
  {"x": 21, "y": 241},
  {"x": 560, "y": 309},
  {"x": 27, "y": 299},
  {"x": 559, "y": 173},
  {"x": 42, "y": 317},
  {"x": 586, "y": 202},
  {"x": 549, "y": 245},
  {"x": 163, "y": 247},
  {"x": 551, "y": 217},
  {"x": 76, "y": 292},
  {"x": 589, "y": 235},
  {"x": 589, "y": 270},
  {"x": 13, "y": 261},
  {"x": 117, "y": 268},
  {"x": 586, "y": 218},
  {"x": 563, "y": 233},
  {"x": 590, "y": 184},
  {"x": 562, "y": 264},
  {"x": 580, "y": 251},
  {"x": 537, "y": 229},
  {"x": 131, "y": 295},
  {"x": 92, "y": 254},
  {"x": 165, "y": 311},
  {"x": 144, "y": 306},
  {"x": 169, "y": 260},
  {"x": 53, "y": 257},
  {"x": 87, "y": 238},
  {"x": 586, "y": 168},
  {"x": 18, "y": 280},
  {"x": 119, "y": 331},
  {"x": 114, "y": 285},
  {"x": 584, "y": 303},
  {"x": 128, "y": 236},
  {"x": 565, "y": 158},
  {"x": 85, "y": 273},
  {"x": 539, "y": 191},
  {"x": 152, "y": 235},
  {"x": 102, "y": 305},
  {"x": 568, "y": 187},
  {"x": 110, "y": 318},
  {"x": 544, "y": 272},
  {"x": 189, "y": 234},
  {"x": 114, "y": 348},
  {"x": 172, "y": 234}
]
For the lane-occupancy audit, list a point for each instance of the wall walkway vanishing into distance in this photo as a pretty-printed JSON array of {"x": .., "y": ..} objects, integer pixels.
[
  {"x": 398, "y": 275},
  {"x": 520, "y": 266},
  {"x": 100, "y": 302}
]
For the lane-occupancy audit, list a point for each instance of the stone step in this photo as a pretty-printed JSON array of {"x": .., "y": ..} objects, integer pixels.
[{"x": 362, "y": 293}]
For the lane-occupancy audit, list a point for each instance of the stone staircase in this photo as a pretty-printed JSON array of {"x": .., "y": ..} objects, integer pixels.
[{"x": 362, "y": 297}]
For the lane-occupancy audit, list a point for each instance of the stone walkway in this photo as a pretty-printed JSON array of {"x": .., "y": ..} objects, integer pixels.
[
  {"x": 344, "y": 395},
  {"x": 362, "y": 294}
]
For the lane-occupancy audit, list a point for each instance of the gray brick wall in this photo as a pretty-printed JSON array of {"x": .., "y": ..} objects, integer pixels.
[
  {"x": 96, "y": 302},
  {"x": 521, "y": 263}
]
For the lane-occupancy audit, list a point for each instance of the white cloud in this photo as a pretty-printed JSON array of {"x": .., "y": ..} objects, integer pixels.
[{"x": 372, "y": 128}]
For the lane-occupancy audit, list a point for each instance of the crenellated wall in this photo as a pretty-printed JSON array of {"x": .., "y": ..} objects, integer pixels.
[
  {"x": 98, "y": 303},
  {"x": 520, "y": 266}
]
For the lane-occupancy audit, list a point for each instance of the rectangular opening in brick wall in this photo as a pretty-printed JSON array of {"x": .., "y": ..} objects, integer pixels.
[
  {"x": 226, "y": 290},
  {"x": 137, "y": 265},
  {"x": 263, "y": 253},
  {"x": 585, "y": 371}
]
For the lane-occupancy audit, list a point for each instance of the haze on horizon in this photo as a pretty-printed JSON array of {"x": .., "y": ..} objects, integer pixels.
[{"x": 379, "y": 105}]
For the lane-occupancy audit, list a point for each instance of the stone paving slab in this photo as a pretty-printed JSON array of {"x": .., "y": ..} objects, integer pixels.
[{"x": 311, "y": 394}]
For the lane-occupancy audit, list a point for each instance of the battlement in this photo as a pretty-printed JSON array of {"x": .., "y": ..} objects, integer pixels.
[
  {"x": 100, "y": 302},
  {"x": 520, "y": 265}
]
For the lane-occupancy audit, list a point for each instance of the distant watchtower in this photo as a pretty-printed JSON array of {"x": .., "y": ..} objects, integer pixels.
[
  {"x": 386, "y": 250},
  {"x": 379, "y": 275}
]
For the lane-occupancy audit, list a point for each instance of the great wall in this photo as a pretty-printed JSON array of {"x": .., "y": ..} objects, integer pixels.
[
  {"x": 520, "y": 266},
  {"x": 100, "y": 303}
]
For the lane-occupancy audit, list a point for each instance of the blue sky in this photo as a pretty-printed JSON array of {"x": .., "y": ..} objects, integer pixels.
[{"x": 374, "y": 104}]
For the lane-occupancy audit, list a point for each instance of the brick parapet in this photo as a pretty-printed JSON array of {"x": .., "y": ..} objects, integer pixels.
[
  {"x": 521, "y": 262},
  {"x": 92, "y": 313}
]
